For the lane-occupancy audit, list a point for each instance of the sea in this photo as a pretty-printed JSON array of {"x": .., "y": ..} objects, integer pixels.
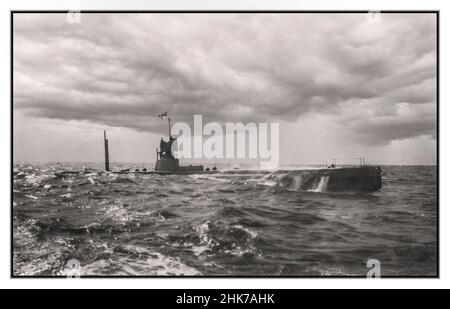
[{"x": 236, "y": 222}]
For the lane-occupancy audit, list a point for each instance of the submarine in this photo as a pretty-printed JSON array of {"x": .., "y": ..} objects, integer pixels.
[{"x": 362, "y": 178}]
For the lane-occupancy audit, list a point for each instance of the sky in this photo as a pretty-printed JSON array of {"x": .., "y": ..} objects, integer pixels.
[{"x": 339, "y": 85}]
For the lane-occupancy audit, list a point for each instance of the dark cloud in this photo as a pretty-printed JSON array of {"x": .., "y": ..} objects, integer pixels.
[{"x": 377, "y": 79}]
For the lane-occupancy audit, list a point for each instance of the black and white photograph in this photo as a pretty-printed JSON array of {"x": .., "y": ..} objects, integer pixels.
[{"x": 224, "y": 144}]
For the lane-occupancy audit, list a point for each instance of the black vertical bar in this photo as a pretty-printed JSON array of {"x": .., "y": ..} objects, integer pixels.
[
  {"x": 106, "y": 152},
  {"x": 170, "y": 133}
]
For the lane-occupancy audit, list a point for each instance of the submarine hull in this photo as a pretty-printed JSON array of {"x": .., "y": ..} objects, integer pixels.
[
  {"x": 345, "y": 179},
  {"x": 173, "y": 165},
  {"x": 360, "y": 179}
]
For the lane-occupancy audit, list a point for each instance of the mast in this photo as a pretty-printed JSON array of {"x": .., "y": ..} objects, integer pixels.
[
  {"x": 106, "y": 152},
  {"x": 170, "y": 133}
]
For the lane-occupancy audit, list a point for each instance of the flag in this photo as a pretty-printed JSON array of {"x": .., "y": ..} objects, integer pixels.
[{"x": 162, "y": 115}]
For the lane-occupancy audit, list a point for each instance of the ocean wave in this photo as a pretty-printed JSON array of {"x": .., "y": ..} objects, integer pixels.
[
  {"x": 124, "y": 180},
  {"x": 130, "y": 260},
  {"x": 163, "y": 215},
  {"x": 207, "y": 177},
  {"x": 251, "y": 223},
  {"x": 230, "y": 211},
  {"x": 233, "y": 239}
]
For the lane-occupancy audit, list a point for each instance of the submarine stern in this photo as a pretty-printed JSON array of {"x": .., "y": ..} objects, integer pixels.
[
  {"x": 360, "y": 179},
  {"x": 342, "y": 179}
]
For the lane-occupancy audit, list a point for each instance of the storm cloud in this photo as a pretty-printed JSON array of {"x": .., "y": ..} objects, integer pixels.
[{"x": 377, "y": 81}]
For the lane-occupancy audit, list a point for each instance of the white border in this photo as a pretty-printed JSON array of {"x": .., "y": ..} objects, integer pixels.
[{"x": 166, "y": 283}]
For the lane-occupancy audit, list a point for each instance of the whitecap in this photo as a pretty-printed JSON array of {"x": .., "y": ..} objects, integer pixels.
[
  {"x": 251, "y": 233},
  {"x": 32, "y": 197},
  {"x": 149, "y": 263}
]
